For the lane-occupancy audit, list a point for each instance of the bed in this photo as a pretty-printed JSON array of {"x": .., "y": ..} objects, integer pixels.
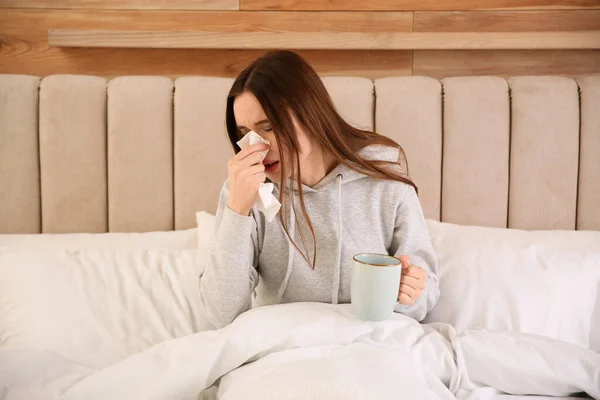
[{"x": 107, "y": 193}]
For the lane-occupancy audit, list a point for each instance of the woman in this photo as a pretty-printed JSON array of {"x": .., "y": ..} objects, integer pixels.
[{"x": 342, "y": 192}]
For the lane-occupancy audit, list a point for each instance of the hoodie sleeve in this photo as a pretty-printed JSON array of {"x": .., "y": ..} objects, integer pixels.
[
  {"x": 230, "y": 275},
  {"x": 411, "y": 238}
]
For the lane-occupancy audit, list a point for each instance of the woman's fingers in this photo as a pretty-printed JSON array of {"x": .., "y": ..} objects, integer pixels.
[
  {"x": 246, "y": 173},
  {"x": 411, "y": 281},
  {"x": 415, "y": 272},
  {"x": 405, "y": 260},
  {"x": 412, "y": 284},
  {"x": 412, "y": 292},
  {"x": 252, "y": 159},
  {"x": 256, "y": 169},
  {"x": 251, "y": 150},
  {"x": 406, "y": 299}
]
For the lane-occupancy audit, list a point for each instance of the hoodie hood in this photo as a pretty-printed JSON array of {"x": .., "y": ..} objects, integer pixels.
[{"x": 330, "y": 181}]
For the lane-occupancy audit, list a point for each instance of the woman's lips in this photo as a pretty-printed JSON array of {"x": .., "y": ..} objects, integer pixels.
[{"x": 270, "y": 166}]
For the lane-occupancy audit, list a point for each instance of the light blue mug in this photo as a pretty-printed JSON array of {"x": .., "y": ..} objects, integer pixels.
[{"x": 375, "y": 285}]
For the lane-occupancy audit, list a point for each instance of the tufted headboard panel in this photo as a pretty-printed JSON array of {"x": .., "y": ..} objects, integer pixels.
[{"x": 144, "y": 153}]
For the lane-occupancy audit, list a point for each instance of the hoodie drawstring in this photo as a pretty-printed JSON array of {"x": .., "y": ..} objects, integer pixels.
[
  {"x": 336, "y": 267},
  {"x": 288, "y": 271}
]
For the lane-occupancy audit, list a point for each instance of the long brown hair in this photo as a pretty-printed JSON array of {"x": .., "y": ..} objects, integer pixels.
[{"x": 285, "y": 84}]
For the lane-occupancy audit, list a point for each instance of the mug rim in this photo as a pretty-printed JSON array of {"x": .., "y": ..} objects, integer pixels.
[{"x": 377, "y": 254}]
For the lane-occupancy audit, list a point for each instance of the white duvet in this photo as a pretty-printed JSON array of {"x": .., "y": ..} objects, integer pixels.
[{"x": 320, "y": 351}]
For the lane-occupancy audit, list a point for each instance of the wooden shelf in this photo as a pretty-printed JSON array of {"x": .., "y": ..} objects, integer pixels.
[{"x": 325, "y": 40}]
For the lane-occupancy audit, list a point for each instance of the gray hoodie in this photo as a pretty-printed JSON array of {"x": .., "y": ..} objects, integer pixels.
[{"x": 252, "y": 262}]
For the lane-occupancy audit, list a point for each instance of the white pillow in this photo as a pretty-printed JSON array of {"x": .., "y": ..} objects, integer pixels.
[
  {"x": 205, "y": 223},
  {"x": 173, "y": 240},
  {"x": 96, "y": 307},
  {"x": 539, "y": 282}
]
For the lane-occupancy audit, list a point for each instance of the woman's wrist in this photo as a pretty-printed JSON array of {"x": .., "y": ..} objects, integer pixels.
[{"x": 238, "y": 210}]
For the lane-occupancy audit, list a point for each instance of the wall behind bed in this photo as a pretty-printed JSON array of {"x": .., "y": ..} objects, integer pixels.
[{"x": 24, "y": 26}]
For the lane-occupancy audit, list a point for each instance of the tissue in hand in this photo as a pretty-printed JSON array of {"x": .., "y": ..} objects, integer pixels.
[{"x": 267, "y": 203}]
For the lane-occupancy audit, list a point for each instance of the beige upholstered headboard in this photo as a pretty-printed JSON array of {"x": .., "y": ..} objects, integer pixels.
[{"x": 86, "y": 154}]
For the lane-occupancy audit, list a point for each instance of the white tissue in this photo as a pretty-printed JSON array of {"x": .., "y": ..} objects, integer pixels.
[{"x": 267, "y": 203}]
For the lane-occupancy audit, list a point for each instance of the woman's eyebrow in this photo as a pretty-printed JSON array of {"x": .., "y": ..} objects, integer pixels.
[{"x": 261, "y": 122}]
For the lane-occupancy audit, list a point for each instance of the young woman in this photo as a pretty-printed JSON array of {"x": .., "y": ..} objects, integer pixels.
[{"x": 343, "y": 191}]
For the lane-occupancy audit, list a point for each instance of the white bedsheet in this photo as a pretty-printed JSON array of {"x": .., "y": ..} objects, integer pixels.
[
  {"x": 320, "y": 351},
  {"x": 34, "y": 374}
]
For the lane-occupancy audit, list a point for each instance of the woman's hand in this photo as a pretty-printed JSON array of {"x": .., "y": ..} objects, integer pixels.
[
  {"x": 246, "y": 173},
  {"x": 412, "y": 282}
]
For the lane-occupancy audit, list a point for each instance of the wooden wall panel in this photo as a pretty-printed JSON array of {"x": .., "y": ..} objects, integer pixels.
[
  {"x": 125, "y": 4},
  {"x": 34, "y": 24},
  {"x": 506, "y": 21},
  {"x": 441, "y": 64},
  {"x": 506, "y": 63},
  {"x": 414, "y": 5},
  {"x": 25, "y": 49},
  {"x": 24, "y": 38}
]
